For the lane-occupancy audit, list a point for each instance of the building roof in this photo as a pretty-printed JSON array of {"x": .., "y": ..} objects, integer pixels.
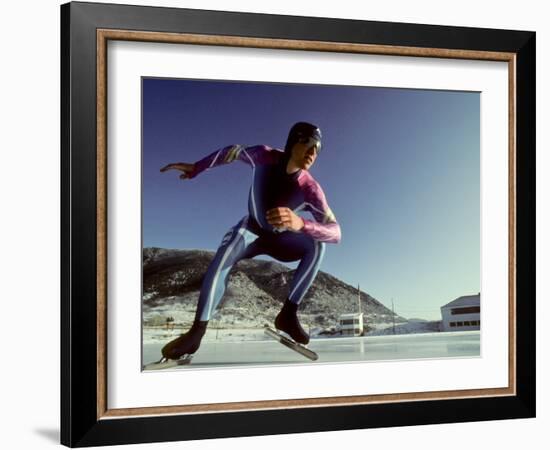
[
  {"x": 465, "y": 300},
  {"x": 350, "y": 315}
]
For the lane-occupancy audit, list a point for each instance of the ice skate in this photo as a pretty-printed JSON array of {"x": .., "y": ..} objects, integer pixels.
[
  {"x": 287, "y": 321},
  {"x": 165, "y": 363},
  {"x": 186, "y": 344},
  {"x": 299, "y": 348}
]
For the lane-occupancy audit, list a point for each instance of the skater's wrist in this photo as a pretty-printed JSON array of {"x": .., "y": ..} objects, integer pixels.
[
  {"x": 306, "y": 228},
  {"x": 296, "y": 222}
]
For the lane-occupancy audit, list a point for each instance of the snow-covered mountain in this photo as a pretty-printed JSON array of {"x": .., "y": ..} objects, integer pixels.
[
  {"x": 256, "y": 290},
  {"x": 410, "y": 327}
]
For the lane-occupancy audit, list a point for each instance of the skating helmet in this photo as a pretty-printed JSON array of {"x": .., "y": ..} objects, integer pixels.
[{"x": 302, "y": 131}]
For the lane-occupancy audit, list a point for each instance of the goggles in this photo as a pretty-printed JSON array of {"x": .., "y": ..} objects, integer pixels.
[{"x": 310, "y": 141}]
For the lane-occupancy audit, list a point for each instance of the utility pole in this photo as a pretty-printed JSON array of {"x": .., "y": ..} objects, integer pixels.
[
  {"x": 393, "y": 316},
  {"x": 359, "y": 297},
  {"x": 360, "y": 309}
]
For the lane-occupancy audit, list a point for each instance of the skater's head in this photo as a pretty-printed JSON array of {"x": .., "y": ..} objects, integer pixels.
[{"x": 303, "y": 145}]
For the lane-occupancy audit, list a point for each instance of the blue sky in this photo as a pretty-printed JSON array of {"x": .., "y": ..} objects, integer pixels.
[{"x": 400, "y": 169}]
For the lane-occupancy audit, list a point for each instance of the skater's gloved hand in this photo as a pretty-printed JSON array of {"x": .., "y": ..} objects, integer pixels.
[
  {"x": 284, "y": 217},
  {"x": 187, "y": 169}
]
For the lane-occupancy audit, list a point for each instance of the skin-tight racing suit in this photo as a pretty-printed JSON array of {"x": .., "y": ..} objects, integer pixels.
[{"x": 253, "y": 235}]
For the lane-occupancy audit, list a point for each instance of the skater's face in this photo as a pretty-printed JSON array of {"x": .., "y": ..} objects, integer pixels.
[{"x": 304, "y": 152}]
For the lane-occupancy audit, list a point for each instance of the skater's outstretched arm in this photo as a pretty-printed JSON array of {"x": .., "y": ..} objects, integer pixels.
[
  {"x": 186, "y": 168},
  {"x": 251, "y": 155}
]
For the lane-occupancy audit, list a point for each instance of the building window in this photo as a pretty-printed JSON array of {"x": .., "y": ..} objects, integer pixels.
[
  {"x": 466, "y": 324},
  {"x": 467, "y": 310},
  {"x": 460, "y": 324},
  {"x": 453, "y": 324}
]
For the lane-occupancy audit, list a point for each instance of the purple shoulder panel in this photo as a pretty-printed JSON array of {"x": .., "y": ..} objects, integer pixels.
[{"x": 252, "y": 155}]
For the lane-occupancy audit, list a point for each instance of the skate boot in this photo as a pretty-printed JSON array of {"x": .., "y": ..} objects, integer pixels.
[
  {"x": 187, "y": 343},
  {"x": 287, "y": 321}
]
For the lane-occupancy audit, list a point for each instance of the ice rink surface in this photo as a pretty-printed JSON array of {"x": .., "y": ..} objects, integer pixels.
[{"x": 335, "y": 349}]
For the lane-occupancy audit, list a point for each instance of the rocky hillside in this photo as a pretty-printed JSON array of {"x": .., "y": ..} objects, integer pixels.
[{"x": 256, "y": 290}]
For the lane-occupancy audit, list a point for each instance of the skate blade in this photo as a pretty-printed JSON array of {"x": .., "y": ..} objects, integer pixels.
[
  {"x": 183, "y": 359},
  {"x": 291, "y": 344},
  {"x": 166, "y": 363},
  {"x": 287, "y": 336}
]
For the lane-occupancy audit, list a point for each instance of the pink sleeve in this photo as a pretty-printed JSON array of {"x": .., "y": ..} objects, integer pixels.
[
  {"x": 325, "y": 228},
  {"x": 251, "y": 155}
]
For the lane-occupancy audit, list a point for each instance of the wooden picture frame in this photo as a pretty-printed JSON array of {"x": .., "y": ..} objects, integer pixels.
[{"x": 86, "y": 418}]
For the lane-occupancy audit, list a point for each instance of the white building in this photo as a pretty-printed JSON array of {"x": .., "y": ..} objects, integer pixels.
[
  {"x": 351, "y": 324},
  {"x": 462, "y": 314}
]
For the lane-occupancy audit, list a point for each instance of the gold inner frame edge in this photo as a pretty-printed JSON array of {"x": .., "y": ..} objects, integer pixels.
[{"x": 104, "y": 35}]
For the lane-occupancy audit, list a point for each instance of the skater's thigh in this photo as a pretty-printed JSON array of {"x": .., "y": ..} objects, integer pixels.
[
  {"x": 287, "y": 246},
  {"x": 229, "y": 234},
  {"x": 235, "y": 245}
]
